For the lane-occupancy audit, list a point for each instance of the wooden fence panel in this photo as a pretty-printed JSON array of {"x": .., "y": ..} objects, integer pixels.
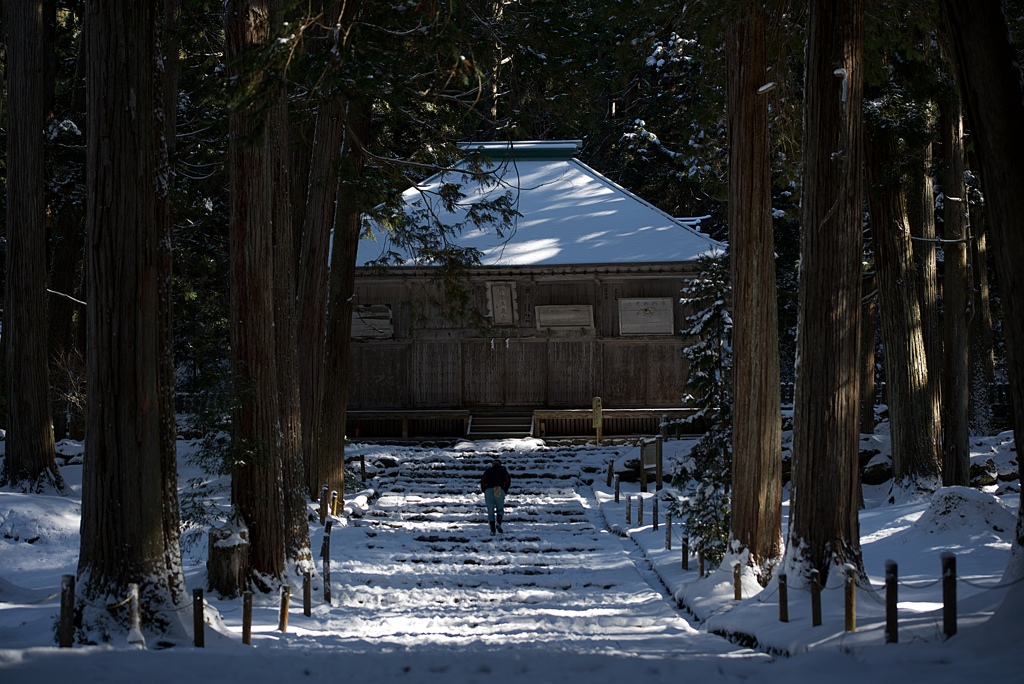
[
  {"x": 666, "y": 374},
  {"x": 624, "y": 380},
  {"x": 483, "y": 372},
  {"x": 571, "y": 372},
  {"x": 379, "y": 375},
  {"x": 436, "y": 373},
  {"x": 526, "y": 373}
]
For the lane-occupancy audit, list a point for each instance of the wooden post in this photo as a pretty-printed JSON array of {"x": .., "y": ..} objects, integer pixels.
[
  {"x": 611, "y": 469},
  {"x": 135, "y": 637},
  {"x": 700, "y": 563},
  {"x": 198, "y": 619},
  {"x": 668, "y": 531},
  {"x": 640, "y": 511},
  {"x": 891, "y": 601},
  {"x": 286, "y": 595},
  {"x": 325, "y": 551},
  {"x": 851, "y": 598},
  {"x": 658, "y": 468},
  {"x": 362, "y": 467},
  {"x": 616, "y": 489},
  {"x": 629, "y": 506},
  {"x": 247, "y": 618},
  {"x": 334, "y": 503},
  {"x": 948, "y": 593},
  {"x": 643, "y": 472},
  {"x": 598, "y": 417},
  {"x": 307, "y": 593},
  {"x": 783, "y": 598},
  {"x": 654, "y": 513},
  {"x": 663, "y": 428},
  {"x": 323, "y": 503},
  {"x": 685, "y": 548},
  {"x": 815, "y": 598},
  {"x": 737, "y": 581},
  {"x": 66, "y": 628}
]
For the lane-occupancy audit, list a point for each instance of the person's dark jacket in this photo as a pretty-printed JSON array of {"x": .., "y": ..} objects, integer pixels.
[{"x": 495, "y": 476}]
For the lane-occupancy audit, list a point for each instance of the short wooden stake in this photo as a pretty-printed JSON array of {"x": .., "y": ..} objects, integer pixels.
[
  {"x": 334, "y": 503},
  {"x": 654, "y": 513},
  {"x": 658, "y": 468},
  {"x": 737, "y": 581},
  {"x": 815, "y": 598},
  {"x": 700, "y": 563},
  {"x": 286, "y": 596},
  {"x": 307, "y": 593},
  {"x": 640, "y": 511},
  {"x": 135, "y": 637},
  {"x": 198, "y": 619},
  {"x": 643, "y": 472},
  {"x": 247, "y": 618},
  {"x": 66, "y": 628},
  {"x": 685, "y": 548},
  {"x": 323, "y": 503},
  {"x": 616, "y": 489},
  {"x": 948, "y": 593},
  {"x": 851, "y": 598},
  {"x": 891, "y": 602},
  {"x": 629, "y": 506},
  {"x": 326, "y": 552},
  {"x": 783, "y": 598},
  {"x": 362, "y": 467},
  {"x": 668, "y": 531},
  {"x": 611, "y": 469}
]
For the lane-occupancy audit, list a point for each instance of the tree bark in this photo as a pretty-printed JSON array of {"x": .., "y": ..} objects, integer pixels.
[
  {"x": 824, "y": 529},
  {"x": 320, "y": 211},
  {"x": 956, "y": 452},
  {"x": 983, "y": 362},
  {"x": 30, "y": 463},
  {"x": 868, "y": 328},
  {"x": 757, "y": 419},
  {"x": 129, "y": 497},
  {"x": 921, "y": 214},
  {"x": 337, "y": 360},
  {"x": 258, "y": 482},
  {"x": 913, "y": 410},
  {"x": 990, "y": 83},
  {"x": 296, "y": 520}
]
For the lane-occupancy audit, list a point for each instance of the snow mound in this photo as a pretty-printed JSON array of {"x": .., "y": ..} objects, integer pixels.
[{"x": 963, "y": 508}]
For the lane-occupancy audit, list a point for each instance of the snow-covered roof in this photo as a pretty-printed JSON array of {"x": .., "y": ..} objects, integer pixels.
[{"x": 569, "y": 213}]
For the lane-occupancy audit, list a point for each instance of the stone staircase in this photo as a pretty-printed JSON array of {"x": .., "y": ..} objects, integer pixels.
[
  {"x": 421, "y": 563},
  {"x": 504, "y": 425}
]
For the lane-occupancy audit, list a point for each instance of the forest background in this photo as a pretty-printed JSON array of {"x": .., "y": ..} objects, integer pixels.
[{"x": 174, "y": 175}]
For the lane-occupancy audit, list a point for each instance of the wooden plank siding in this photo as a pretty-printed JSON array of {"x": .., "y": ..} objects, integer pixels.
[{"x": 434, "y": 363}]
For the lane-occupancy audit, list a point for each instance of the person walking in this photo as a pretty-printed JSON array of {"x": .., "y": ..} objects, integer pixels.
[{"x": 494, "y": 484}]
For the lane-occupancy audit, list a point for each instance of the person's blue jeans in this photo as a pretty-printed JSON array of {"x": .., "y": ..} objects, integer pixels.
[{"x": 495, "y": 505}]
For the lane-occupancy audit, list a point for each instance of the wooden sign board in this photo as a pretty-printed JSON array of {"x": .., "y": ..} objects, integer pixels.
[
  {"x": 650, "y": 316},
  {"x": 501, "y": 302},
  {"x": 564, "y": 316}
]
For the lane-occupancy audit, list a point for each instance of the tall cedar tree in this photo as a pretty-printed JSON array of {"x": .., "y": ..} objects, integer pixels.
[
  {"x": 757, "y": 419},
  {"x": 319, "y": 219},
  {"x": 130, "y": 523},
  {"x": 913, "y": 408},
  {"x": 267, "y": 482},
  {"x": 956, "y": 447},
  {"x": 990, "y": 82},
  {"x": 30, "y": 463},
  {"x": 824, "y": 530}
]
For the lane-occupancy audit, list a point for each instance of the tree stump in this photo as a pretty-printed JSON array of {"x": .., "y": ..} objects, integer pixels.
[{"x": 228, "y": 561}]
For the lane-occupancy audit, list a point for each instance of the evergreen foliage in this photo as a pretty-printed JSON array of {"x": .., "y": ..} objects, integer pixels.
[{"x": 706, "y": 478}]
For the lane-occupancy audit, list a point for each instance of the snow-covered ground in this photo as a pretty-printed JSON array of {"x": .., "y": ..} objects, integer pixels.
[{"x": 570, "y": 593}]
